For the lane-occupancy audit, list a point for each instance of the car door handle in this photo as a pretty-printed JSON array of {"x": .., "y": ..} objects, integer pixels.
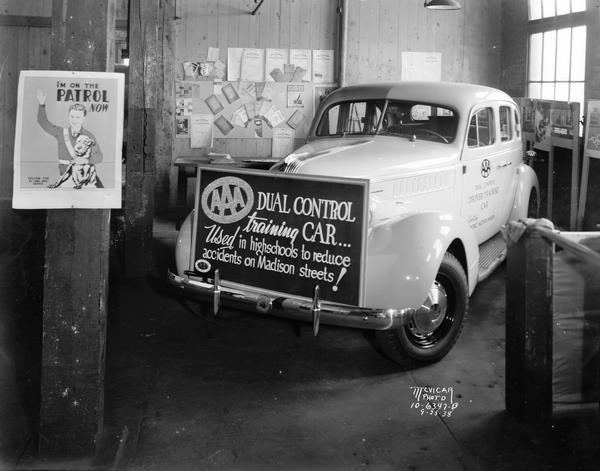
[{"x": 504, "y": 164}]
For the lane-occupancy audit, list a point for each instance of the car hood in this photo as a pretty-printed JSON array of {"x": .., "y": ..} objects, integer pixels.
[{"x": 373, "y": 158}]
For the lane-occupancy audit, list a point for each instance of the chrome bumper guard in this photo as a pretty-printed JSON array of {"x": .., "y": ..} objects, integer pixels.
[{"x": 290, "y": 307}]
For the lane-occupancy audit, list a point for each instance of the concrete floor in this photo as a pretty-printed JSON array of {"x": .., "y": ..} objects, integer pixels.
[{"x": 245, "y": 392}]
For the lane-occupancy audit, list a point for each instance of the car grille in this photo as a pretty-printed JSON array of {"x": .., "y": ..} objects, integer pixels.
[{"x": 293, "y": 165}]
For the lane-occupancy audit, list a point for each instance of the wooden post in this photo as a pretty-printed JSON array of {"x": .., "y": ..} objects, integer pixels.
[
  {"x": 76, "y": 267},
  {"x": 166, "y": 172},
  {"x": 140, "y": 165},
  {"x": 529, "y": 325}
]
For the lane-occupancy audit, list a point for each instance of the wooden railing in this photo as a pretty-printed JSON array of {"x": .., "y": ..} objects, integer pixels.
[{"x": 530, "y": 313}]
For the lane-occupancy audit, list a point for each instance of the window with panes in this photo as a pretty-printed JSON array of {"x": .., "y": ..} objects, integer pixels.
[{"x": 557, "y": 44}]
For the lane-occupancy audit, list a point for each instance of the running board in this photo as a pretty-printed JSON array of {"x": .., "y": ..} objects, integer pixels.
[{"x": 491, "y": 254}]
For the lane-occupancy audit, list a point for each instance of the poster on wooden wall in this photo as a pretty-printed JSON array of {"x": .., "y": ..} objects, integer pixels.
[
  {"x": 421, "y": 66},
  {"x": 68, "y": 140},
  {"x": 592, "y": 130}
]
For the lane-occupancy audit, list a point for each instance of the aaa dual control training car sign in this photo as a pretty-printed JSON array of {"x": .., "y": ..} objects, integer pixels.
[{"x": 281, "y": 232}]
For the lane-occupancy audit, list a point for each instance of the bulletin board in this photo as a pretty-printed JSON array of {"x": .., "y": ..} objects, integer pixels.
[
  {"x": 212, "y": 109},
  {"x": 249, "y": 102}
]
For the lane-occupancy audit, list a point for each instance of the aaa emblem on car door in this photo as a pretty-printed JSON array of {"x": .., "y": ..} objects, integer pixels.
[{"x": 486, "y": 168}]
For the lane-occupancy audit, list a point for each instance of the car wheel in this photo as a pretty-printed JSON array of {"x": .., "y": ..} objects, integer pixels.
[{"x": 436, "y": 325}]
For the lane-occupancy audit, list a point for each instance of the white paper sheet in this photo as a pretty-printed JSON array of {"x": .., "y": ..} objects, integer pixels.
[
  {"x": 274, "y": 59},
  {"x": 201, "y": 130},
  {"x": 274, "y": 116},
  {"x": 302, "y": 58},
  {"x": 234, "y": 63},
  {"x": 421, "y": 66},
  {"x": 213, "y": 54},
  {"x": 253, "y": 65},
  {"x": 322, "y": 65},
  {"x": 283, "y": 142}
]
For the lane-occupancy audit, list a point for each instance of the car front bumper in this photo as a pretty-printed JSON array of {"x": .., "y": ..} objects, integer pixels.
[{"x": 290, "y": 307}]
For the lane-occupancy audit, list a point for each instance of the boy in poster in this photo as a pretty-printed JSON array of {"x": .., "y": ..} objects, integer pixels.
[
  {"x": 68, "y": 140},
  {"x": 66, "y": 137}
]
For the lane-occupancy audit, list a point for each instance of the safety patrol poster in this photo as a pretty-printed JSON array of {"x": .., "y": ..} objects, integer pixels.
[{"x": 68, "y": 140}]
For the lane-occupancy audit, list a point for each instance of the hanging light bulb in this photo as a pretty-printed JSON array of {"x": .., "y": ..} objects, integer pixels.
[{"x": 442, "y": 5}]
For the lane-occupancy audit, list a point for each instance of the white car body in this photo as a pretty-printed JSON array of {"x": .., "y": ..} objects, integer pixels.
[
  {"x": 424, "y": 193},
  {"x": 429, "y": 196}
]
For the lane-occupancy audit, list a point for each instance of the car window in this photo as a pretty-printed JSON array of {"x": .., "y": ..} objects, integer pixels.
[
  {"x": 419, "y": 121},
  {"x": 351, "y": 118},
  {"x": 506, "y": 124},
  {"x": 517, "y": 123},
  {"x": 481, "y": 128}
]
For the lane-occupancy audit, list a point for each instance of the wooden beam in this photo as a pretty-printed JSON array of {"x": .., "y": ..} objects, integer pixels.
[
  {"x": 32, "y": 21},
  {"x": 165, "y": 138},
  {"x": 140, "y": 163},
  {"x": 529, "y": 326},
  {"x": 76, "y": 266},
  {"x": 43, "y": 21}
]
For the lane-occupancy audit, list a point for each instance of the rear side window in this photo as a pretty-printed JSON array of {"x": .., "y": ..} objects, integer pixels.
[
  {"x": 506, "y": 124},
  {"x": 481, "y": 128}
]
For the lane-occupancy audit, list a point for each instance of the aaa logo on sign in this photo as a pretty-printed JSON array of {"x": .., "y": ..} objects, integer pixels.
[{"x": 227, "y": 200}]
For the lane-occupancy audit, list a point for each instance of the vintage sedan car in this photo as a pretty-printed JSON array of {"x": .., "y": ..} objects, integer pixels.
[{"x": 445, "y": 168}]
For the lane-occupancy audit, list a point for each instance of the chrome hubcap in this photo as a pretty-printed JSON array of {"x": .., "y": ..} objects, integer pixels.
[{"x": 432, "y": 312}]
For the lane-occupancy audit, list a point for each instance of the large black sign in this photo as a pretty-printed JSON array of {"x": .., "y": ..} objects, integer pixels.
[{"x": 282, "y": 232}]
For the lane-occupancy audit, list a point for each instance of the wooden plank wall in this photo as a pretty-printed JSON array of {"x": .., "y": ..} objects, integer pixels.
[
  {"x": 21, "y": 48},
  {"x": 380, "y": 30},
  {"x": 302, "y": 24},
  {"x": 515, "y": 38}
]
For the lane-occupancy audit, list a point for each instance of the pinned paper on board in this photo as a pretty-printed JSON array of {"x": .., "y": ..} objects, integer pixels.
[
  {"x": 183, "y": 106},
  {"x": 223, "y": 125},
  {"x": 283, "y": 142},
  {"x": 274, "y": 116},
  {"x": 201, "y": 130},
  {"x": 322, "y": 65},
  {"x": 296, "y": 119},
  {"x": 250, "y": 109},
  {"x": 234, "y": 63},
  {"x": 230, "y": 92},
  {"x": 214, "y": 104},
  {"x": 240, "y": 117},
  {"x": 295, "y": 96},
  {"x": 274, "y": 61},
  {"x": 268, "y": 91},
  {"x": 213, "y": 54},
  {"x": 252, "y": 65},
  {"x": 301, "y": 58}
]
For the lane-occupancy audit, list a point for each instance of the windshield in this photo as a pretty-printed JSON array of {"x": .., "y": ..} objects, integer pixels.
[{"x": 414, "y": 120}]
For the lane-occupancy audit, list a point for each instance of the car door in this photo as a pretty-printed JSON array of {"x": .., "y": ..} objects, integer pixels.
[{"x": 488, "y": 170}]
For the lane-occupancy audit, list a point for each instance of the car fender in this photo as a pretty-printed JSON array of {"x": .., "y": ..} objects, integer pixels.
[
  {"x": 183, "y": 245},
  {"x": 404, "y": 256},
  {"x": 526, "y": 180}
]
